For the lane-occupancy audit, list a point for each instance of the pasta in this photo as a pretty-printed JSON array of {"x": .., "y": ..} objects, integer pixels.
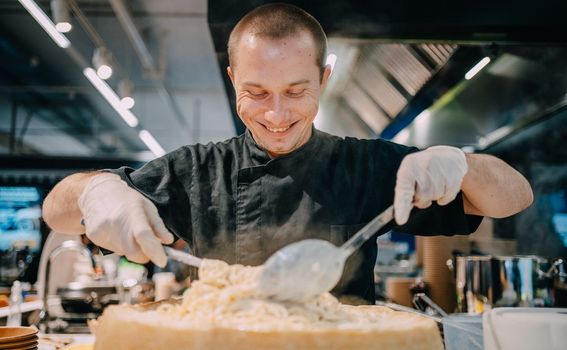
[
  {"x": 224, "y": 310},
  {"x": 227, "y": 296}
]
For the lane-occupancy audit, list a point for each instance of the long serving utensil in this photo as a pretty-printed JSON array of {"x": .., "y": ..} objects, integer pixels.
[
  {"x": 183, "y": 257},
  {"x": 304, "y": 269}
]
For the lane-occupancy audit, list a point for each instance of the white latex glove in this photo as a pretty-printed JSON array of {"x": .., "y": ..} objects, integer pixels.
[
  {"x": 434, "y": 174},
  {"x": 119, "y": 218}
]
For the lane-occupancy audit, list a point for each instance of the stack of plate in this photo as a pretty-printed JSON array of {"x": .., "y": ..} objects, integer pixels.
[{"x": 18, "y": 338}]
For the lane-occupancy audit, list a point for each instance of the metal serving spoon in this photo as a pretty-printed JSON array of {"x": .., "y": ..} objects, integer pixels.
[
  {"x": 304, "y": 269},
  {"x": 183, "y": 257}
]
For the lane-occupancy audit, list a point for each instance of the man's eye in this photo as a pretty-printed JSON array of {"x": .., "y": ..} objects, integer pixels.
[
  {"x": 257, "y": 93},
  {"x": 294, "y": 93}
]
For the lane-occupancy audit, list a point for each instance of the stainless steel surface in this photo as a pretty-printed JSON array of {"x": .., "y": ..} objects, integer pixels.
[
  {"x": 463, "y": 332},
  {"x": 398, "y": 307},
  {"x": 484, "y": 282},
  {"x": 431, "y": 306},
  {"x": 460, "y": 332},
  {"x": 307, "y": 268},
  {"x": 66, "y": 246},
  {"x": 183, "y": 257},
  {"x": 561, "y": 273}
]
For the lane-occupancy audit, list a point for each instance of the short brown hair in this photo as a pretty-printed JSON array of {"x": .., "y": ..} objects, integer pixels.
[{"x": 278, "y": 21}]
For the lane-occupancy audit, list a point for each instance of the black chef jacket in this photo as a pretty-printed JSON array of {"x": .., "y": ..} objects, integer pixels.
[{"x": 230, "y": 201}]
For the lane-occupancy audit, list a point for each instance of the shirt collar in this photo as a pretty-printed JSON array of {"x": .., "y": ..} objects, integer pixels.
[{"x": 261, "y": 157}]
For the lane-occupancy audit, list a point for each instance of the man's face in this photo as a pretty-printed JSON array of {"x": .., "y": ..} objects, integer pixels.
[{"x": 277, "y": 84}]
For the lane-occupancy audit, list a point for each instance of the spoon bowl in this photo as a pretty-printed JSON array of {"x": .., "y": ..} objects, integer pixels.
[
  {"x": 307, "y": 268},
  {"x": 301, "y": 270}
]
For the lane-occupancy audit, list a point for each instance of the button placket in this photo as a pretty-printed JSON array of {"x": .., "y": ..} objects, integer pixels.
[{"x": 248, "y": 215}]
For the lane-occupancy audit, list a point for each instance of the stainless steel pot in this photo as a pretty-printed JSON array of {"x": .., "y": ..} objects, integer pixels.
[
  {"x": 483, "y": 282},
  {"x": 83, "y": 298}
]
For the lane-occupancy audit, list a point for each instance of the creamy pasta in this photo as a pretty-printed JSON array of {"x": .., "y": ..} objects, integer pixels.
[{"x": 227, "y": 296}]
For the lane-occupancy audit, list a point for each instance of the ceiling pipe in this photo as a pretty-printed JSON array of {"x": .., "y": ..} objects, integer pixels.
[
  {"x": 127, "y": 23},
  {"x": 39, "y": 91},
  {"x": 134, "y": 36}
]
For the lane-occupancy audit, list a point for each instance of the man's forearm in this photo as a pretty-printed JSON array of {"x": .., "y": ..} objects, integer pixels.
[
  {"x": 60, "y": 208},
  {"x": 493, "y": 188}
]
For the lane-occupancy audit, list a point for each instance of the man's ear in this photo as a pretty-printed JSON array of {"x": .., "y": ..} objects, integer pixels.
[
  {"x": 326, "y": 75},
  {"x": 230, "y": 75}
]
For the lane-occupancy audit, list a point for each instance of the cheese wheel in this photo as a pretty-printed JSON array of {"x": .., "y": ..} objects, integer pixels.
[
  {"x": 223, "y": 310},
  {"x": 124, "y": 327}
]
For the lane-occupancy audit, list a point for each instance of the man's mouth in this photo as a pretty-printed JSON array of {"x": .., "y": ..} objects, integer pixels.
[{"x": 280, "y": 130}]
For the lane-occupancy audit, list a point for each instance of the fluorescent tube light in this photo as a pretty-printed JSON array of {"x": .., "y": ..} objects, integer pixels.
[
  {"x": 46, "y": 23},
  {"x": 151, "y": 142},
  {"x": 109, "y": 94},
  {"x": 477, "y": 68}
]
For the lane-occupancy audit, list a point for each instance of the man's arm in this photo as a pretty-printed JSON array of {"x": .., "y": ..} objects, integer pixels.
[
  {"x": 490, "y": 186},
  {"x": 493, "y": 188},
  {"x": 116, "y": 216},
  {"x": 60, "y": 208}
]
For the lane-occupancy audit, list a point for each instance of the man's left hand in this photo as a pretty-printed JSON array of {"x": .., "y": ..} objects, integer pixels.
[{"x": 434, "y": 174}]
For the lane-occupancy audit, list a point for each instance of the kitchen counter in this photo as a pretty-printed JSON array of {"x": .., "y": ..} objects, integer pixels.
[{"x": 65, "y": 341}]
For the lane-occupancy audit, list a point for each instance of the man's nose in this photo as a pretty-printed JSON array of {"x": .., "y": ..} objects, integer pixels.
[{"x": 276, "y": 113}]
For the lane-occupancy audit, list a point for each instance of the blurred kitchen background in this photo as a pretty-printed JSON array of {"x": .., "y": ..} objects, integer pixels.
[{"x": 122, "y": 82}]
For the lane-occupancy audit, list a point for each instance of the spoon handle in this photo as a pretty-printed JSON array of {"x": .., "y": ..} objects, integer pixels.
[
  {"x": 182, "y": 257},
  {"x": 368, "y": 231}
]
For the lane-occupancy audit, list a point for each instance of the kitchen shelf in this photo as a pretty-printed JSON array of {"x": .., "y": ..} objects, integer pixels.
[{"x": 26, "y": 307}]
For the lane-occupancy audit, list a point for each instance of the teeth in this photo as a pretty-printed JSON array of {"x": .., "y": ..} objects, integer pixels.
[{"x": 278, "y": 129}]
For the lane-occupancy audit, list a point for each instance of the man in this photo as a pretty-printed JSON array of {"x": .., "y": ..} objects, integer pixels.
[{"x": 282, "y": 181}]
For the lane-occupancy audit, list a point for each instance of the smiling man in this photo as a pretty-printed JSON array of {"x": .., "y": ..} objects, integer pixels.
[
  {"x": 282, "y": 180},
  {"x": 277, "y": 93}
]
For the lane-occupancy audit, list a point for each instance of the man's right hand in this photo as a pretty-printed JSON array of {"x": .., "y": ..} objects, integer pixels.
[{"x": 119, "y": 218}]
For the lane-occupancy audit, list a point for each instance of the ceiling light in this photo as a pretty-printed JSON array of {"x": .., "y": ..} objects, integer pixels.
[
  {"x": 151, "y": 142},
  {"x": 64, "y": 27},
  {"x": 111, "y": 97},
  {"x": 128, "y": 102},
  {"x": 60, "y": 14},
  {"x": 104, "y": 71},
  {"x": 46, "y": 23},
  {"x": 477, "y": 68},
  {"x": 102, "y": 62},
  {"x": 125, "y": 92}
]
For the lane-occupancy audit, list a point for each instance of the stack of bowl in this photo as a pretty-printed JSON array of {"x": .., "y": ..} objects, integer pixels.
[{"x": 18, "y": 338}]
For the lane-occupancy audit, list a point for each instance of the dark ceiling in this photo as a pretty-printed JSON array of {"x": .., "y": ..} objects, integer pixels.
[
  {"x": 482, "y": 22},
  {"x": 525, "y": 30},
  {"x": 478, "y": 21}
]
